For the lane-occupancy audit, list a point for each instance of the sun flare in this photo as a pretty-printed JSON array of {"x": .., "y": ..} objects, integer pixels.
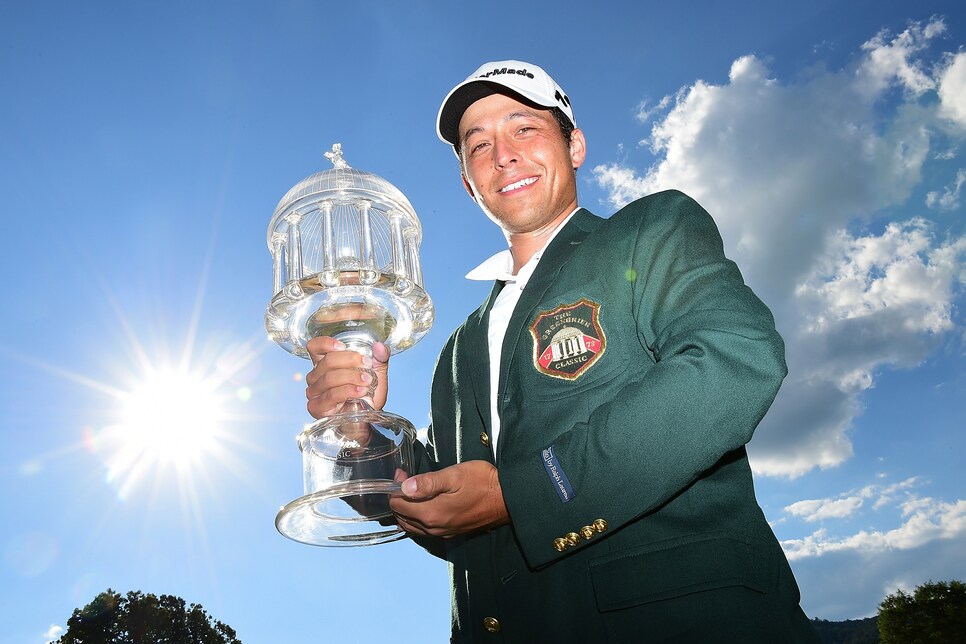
[{"x": 170, "y": 419}]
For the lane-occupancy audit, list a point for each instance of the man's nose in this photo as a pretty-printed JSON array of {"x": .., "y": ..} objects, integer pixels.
[{"x": 504, "y": 153}]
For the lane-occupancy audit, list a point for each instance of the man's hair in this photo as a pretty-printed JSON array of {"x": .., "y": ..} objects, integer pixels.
[
  {"x": 566, "y": 130},
  {"x": 566, "y": 127}
]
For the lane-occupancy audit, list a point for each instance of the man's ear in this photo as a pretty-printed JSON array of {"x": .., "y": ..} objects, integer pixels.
[
  {"x": 469, "y": 189},
  {"x": 578, "y": 148}
]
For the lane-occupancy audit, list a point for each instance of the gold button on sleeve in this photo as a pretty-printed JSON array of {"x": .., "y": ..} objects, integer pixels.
[
  {"x": 491, "y": 624},
  {"x": 572, "y": 538},
  {"x": 600, "y": 525},
  {"x": 587, "y": 532},
  {"x": 559, "y": 544},
  {"x": 484, "y": 438}
]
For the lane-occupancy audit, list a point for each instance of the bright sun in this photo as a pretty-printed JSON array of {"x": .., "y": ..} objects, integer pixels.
[
  {"x": 171, "y": 418},
  {"x": 172, "y": 412}
]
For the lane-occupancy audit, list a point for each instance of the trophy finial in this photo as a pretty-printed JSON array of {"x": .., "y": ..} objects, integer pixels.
[{"x": 335, "y": 156}]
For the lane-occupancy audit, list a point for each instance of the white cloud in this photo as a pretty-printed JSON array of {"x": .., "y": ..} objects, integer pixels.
[
  {"x": 53, "y": 633},
  {"x": 422, "y": 435},
  {"x": 849, "y": 584},
  {"x": 778, "y": 165},
  {"x": 949, "y": 199},
  {"x": 644, "y": 113},
  {"x": 887, "y": 494},
  {"x": 848, "y": 504},
  {"x": 903, "y": 273},
  {"x": 791, "y": 171},
  {"x": 890, "y": 61},
  {"x": 927, "y": 520},
  {"x": 816, "y": 510},
  {"x": 850, "y": 567},
  {"x": 952, "y": 90}
]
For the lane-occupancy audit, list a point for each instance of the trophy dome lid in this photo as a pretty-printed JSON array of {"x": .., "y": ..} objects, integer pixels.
[{"x": 342, "y": 185}]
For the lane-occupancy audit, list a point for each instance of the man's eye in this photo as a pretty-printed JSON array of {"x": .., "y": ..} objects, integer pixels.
[{"x": 477, "y": 147}]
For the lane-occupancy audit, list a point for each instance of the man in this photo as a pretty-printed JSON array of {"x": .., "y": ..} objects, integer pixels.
[{"x": 586, "y": 476}]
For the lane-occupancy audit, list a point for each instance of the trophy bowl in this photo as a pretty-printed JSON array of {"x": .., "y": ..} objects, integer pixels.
[{"x": 344, "y": 246}]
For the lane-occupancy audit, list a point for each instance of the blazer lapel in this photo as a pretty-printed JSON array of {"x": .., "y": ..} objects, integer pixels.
[
  {"x": 476, "y": 357},
  {"x": 553, "y": 260}
]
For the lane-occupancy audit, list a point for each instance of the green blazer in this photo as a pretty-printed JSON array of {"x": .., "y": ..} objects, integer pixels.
[{"x": 635, "y": 368}]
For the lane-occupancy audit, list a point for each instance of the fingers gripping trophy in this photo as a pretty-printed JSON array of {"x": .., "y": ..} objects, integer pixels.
[{"x": 344, "y": 246}]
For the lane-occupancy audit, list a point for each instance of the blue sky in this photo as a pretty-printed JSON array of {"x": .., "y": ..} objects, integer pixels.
[{"x": 145, "y": 146}]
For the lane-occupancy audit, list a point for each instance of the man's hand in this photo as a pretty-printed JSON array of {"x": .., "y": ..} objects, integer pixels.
[
  {"x": 458, "y": 499},
  {"x": 339, "y": 375}
]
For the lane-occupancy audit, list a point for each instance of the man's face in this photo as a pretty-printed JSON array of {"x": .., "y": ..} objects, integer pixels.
[{"x": 517, "y": 165}]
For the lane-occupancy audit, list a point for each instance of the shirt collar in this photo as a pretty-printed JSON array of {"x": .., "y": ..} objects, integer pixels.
[{"x": 500, "y": 266}]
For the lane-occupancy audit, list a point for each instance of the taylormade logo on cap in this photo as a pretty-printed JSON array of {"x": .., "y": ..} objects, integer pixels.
[
  {"x": 505, "y": 70},
  {"x": 525, "y": 80}
]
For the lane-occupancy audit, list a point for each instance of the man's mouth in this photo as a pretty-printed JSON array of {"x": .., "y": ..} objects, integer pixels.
[{"x": 518, "y": 184}]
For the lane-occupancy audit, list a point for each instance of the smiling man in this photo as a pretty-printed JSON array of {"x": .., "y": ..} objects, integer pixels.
[{"x": 586, "y": 476}]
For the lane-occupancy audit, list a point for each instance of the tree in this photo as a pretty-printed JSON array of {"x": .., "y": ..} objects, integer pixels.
[
  {"x": 139, "y": 618},
  {"x": 935, "y": 612},
  {"x": 850, "y": 631}
]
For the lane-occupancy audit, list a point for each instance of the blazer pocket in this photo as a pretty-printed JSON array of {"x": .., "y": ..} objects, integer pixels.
[
  {"x": 675, "y": 568},
  {"x": 544, "y": 387}
]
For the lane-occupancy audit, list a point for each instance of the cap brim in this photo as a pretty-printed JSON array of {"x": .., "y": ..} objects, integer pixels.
[
  {"x": 464, "y": 95},
  {"x": 448, "y": 123}
]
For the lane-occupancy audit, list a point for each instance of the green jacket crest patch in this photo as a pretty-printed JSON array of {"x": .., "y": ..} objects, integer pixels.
[{"x": 568, "y": 340}]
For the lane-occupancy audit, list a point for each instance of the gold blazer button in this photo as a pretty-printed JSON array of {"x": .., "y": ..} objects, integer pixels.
[
  {"x": 600, "y": 525},
  {"x": 587, "y": 531},
  {"x": 572, "y": 538},
  {"x": 559, "y": 544},
  {"x": 491, "y": 624},
  {"x": 485, "y": 438}
]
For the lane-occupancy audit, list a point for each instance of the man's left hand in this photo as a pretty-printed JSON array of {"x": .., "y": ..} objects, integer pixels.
[{"x": 458, "y": 499}]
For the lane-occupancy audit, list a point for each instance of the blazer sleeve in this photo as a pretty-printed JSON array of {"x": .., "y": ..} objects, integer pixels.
[
  {"x": 424, "y": 463},
  {"x": 716, "y": 365},
  {"x": 440, "y": 436}
]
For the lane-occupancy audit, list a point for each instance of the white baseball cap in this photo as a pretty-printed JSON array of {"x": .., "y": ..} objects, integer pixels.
[{"x": 522, "y": 79}]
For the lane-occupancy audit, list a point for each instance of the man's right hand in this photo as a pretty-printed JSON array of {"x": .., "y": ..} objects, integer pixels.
[{"x": 339, "y": 374}]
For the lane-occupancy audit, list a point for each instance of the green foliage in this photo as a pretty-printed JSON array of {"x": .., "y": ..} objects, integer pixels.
[
  {"x": 139, "y": 618},
  {"x": 851, "y": 631},
  {"x": 935, "y": 612}
]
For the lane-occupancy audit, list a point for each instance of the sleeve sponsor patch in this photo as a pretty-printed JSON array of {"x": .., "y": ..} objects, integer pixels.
[
  {"x": 556, "y": 474},
  {"x": 568, "y": 340}
]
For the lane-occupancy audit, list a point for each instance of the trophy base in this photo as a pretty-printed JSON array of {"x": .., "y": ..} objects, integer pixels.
[{"x": 351, "y": 514}]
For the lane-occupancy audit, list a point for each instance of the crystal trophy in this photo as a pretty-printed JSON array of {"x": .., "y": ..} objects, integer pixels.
[{"x": 344, "y": 246}]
